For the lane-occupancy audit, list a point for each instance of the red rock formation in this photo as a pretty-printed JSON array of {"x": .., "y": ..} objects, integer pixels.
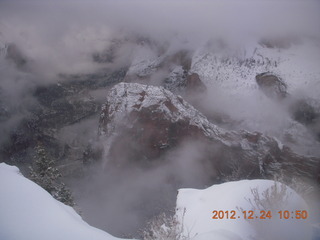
[{"x": 141, "y": 123}]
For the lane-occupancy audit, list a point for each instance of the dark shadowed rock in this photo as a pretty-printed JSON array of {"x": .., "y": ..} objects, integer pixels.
[
  {"x": 307, "y": 112},
  {"x": 271, "y": 85},
  {"x": 304, "y": 111},
  {"x": 16, "y": 56},
  {"x": 60, "y": 105},
  {"x": 141, "y": 123},
  {"x": 194, "y": 84}
]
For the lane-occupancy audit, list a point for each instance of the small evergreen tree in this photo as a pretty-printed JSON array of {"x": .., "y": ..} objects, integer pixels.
[{"x": 44, "y": 173}]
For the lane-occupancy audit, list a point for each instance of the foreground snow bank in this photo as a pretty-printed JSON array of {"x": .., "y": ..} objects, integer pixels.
[
  {"x": 27, "y": 212},
  {"x": 195, "y": 210}
]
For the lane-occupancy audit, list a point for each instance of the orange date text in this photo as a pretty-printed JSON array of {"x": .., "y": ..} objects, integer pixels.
[{"x": 260, "y": 214}]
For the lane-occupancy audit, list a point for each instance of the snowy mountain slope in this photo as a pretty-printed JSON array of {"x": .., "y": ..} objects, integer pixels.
[
  {"x": 195, "y": 207},
  {"x": 144, "y": 122},
  {"x": 232, "y": 76},
  {"x": 126, "y": 98},
  {"x": 29, "y": 212},
  {"x": 235, "y": 70},
  {"x": 229, "y": 72},
  {"x": 145, "y": 62}
]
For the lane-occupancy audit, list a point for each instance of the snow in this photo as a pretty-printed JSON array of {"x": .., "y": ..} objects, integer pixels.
[
  {"x": 125, "y": 98},
  {"x": 220, "y": 234},
  {"x": 194, "y": 211},
  {"x": 236, "y": 69},
  {"x": 27, "y": 212},
  {"x": 145, "y": 62},
  {"x": 230, "y": 75}
]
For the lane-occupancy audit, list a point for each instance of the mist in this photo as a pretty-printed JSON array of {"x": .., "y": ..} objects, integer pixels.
[
  {"x": 60, "y": 38},
  {"x": 123, "y": 200}
]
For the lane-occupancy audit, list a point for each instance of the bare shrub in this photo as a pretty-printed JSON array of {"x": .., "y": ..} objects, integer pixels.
[
  {"x": 164, "y": 227},
  {"x": 271, "y": 199},
  {"x": 300, "y": 185}
]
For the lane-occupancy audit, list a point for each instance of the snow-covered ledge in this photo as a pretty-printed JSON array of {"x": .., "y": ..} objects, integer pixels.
[
  {"x": 195, "y": 210},
  {"x": 28, "y": 212}
]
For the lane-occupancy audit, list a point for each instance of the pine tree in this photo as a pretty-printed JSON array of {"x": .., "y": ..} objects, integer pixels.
[{"x": 44, "y": 173}]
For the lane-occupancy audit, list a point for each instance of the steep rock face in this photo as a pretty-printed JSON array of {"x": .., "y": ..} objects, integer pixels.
[
  {"x": 194, "y": 84},
  {"x": 141, "y": 123},
  {"x": 152, "y": 119}
]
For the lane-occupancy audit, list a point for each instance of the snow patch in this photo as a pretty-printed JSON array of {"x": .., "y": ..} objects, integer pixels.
[
  {"x": 28, "y": 212},
  {"x": 194, "y": 211}
]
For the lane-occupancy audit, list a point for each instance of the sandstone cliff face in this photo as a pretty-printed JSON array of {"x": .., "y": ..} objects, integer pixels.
[{"x": 142, "y": 123}]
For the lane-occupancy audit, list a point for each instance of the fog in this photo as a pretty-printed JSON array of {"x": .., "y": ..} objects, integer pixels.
[
  {"x": 51, "y": 38},
  {"x": 69, "y": 31},
  {"x": 122, "y": 200}
]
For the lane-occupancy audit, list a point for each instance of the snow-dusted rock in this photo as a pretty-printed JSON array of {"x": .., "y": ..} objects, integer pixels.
[
  {"x": 28, "y": 212},
  {"x": 187, "y": 84},
  {"x": 152, "y": 119},
  {"x": 170, "y": 70},
  {"x": 140, "y": 123},
  {"x": 195, "y": 211},
  {"x": 232, "y": 74},
  {"x": 271, "y": 85},
  {"x": 194, "y": 84}
]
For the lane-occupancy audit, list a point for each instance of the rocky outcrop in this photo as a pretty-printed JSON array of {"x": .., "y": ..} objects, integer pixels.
[
  {"x": 172, "y": 71},
  {"x": 194, "y": 84},
  {"x": 141, "y": 123},
  {"x": 184, "y": 83},
  {"x": 152, "y": 118},
  {"x": 271, "y": 85}
]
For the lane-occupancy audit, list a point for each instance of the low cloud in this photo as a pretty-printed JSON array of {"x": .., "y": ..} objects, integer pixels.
[{"x": 61, "y": 37}]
